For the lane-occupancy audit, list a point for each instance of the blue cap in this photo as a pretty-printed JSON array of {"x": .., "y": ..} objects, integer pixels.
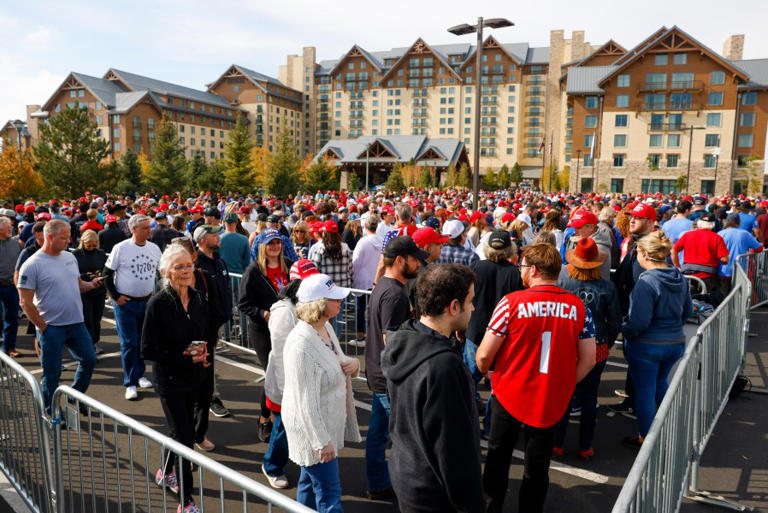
[{"x": 269, "y": 235}]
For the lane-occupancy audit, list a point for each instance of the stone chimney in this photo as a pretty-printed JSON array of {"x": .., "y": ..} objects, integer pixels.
[
  {"x": 733, "y": 48},
  {"x": 577, "y": 45}
]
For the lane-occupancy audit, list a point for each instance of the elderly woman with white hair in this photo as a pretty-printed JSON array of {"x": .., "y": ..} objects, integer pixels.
[
  {"x": 318, "y": 408},
  {"x": 173, "y": 337}
]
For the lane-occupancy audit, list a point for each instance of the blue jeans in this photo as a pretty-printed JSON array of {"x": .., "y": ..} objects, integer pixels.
[
  {"x": 277, "y": 452},
  {"x": 376, "y": 470},
  {"x": 586, "y": 396},
  {"x": 9, "y": 308},
  {"x": 319, "y": 487},
  {"x": 130, "y": 319},
  {"x": 649, "y": 366},
  {"x": 470, "y": 353},
  {"x": 78, "y": 341}
]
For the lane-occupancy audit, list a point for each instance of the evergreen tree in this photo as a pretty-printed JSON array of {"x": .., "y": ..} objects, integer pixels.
[
  {"x": 353, "y": 182},
  {"x": 283, "y": 170},
  {"x": 320, "y": 176},
  {"x": 465, "y": 177},
  {"x": 516, "y": 175},
  {"x": 503, "y": 178},
  {"x": 129, "y": 172},
  {"x": 211, "y": 177},
  {"x": 451, "y": 176},
  {"x": 426, "y": 180},
  {"x": 395, "y": 181},
  {"x": 166, "y": 173},
  {"x": 69, "y": 153},
  {"x": 490, "y": 180},
  {"x": 238, "y": 166}
]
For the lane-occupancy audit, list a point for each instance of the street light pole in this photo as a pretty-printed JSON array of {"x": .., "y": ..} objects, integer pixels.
[
  {"x": 716, "y": 153},
  {"x": 690, "y": 149},
  {"x": 367, "y": 159},
  {"x": 578, "y": 161},
  {"x": 18, "y": 125}
]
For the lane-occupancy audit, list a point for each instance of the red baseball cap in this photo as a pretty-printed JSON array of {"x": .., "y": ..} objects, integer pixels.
[
  {"x": 644, "y": 211},
  {"x": 581, "y": 218},
  {"x": 196, "y": 208},
  {"x": 475, "y": 216},
  {"x": 44, "y": 215},
  {"x": 244, "y": 210},
  {"x": 330, "y": 226},
  {"x": 507, "y": 217},
  {"x": 110, "y": 219},
  {"x": 303, "y": 268},
  {"x": 423, "y": 237}
]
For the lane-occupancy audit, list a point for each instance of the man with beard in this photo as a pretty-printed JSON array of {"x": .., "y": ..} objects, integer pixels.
[{"x": 389, "y": 309}]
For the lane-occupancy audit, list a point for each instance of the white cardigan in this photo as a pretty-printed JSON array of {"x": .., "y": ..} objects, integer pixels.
[
  {"x": 318, "y": 406},
  {"x": 282, "y": 319}
]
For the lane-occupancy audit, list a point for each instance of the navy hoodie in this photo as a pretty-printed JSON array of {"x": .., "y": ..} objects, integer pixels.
[{"x": 659, "y": 305}]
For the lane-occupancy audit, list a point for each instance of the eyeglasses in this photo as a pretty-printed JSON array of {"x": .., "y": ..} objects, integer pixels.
[
  {"x": 525, "y": 265},
  {"x": 299, "y": 231},
  {"x": 184, "y": 267}
]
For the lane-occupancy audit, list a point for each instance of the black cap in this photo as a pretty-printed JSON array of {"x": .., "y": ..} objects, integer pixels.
[
  {"x": 404, "y": 246},
  {"x": 273, "y": 219},
  {"x": 699, "y": 201},
  {"x": 499, "y": 239},
  {"x": 212, "y": 212},
  {"x": 709, "y": 217},
  {"x": 261, "y": 217},
  {"x": 432, "y": 222},
  {"x": 161, "y": 215}
]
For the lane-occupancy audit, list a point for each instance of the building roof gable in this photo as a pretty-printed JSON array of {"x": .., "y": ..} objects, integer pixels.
[
  {"x": 420, "y": 47},
  {"x": 491, "y": 43},
  {"x": 139, "y": 82},
  {"x": 757, "y": 70},
  {"x": 586, "y": 79},
  {"x": 357, "y": 51},
  {"x": 124, "y": 102},
  {"x": 393, "y": 149},
  {"x": 609, "y": 49},
  {"x": 104, "y": 90}
]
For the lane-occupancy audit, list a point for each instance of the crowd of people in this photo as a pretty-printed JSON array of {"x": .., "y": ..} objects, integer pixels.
[{"x": 529, "y": 291}]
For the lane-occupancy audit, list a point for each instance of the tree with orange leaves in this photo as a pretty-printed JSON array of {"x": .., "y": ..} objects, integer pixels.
[{"x": 18, "y": 178}]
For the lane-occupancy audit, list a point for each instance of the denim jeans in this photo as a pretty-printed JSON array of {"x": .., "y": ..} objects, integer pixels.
[
  {"x": 649, "y": 366},
  {"x": 130, "y": 319},
  {"x": 319, "y": 487},
  {"x": 9, "y": 307},
  {"x": 376, "y": 470},
  {"x": 78, "y": 341},
  {"x": 469, "y": 354},
  {"x": 277, "y": 452},
  {"x": 586, "y": 396}
]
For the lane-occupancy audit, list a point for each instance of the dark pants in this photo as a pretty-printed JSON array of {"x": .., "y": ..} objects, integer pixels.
[
  {"x": 203, "y": 403},
  {"x": 9, "y": 307},
  {"x": 505, "y": 430},
  {"x": 362, "y": 324},
  {"x": 178, "y": 407},
  {"x": 262, "y": 344},
  {"x": 93, "y": 310},
  {"x": 586, "y": 395}
]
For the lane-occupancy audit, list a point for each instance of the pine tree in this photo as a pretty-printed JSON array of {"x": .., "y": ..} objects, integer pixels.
[
  {"x": 209, "y": 176},
  {"x": 503, "y": 178},
  {"x": 69, "y": 153},
  {"x": 394, "y": 181},
  {"x": 426, "y": 179},
  {"x": 238, "y": 166},
  {"x": 451, "y": 176},
  {"x": 18, "y": 178},
  {"x": 353, "y": 182},
  {"x": 129, "y": 172},
  {"x": 166, "y": 174},
  {"x": 516, "y": 175},
  {"x": 283, "y": 168},
  {"x": 490, "y": 180},
  {"x": 320, "y": 176},
  {"x": 465, "y": 177}
]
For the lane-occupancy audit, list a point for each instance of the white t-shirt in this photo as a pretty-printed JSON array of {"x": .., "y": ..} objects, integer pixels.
[
  {"x": 134, "y": 267},
  {"x": 55, "y": 282}
]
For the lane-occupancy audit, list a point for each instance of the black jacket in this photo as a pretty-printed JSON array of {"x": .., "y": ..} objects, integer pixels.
[
  {"x": 218, "y": 282},
  {"x": 168, "y": 330},
  {"x": 110, "y": 236},
  {"x": 601, "y": 299},
  {"x": 626, "y": 275},
  {"x": 435, "y": 460},
  {"x": 494, "y": 281},
  {"x": 257, "y": 295}
]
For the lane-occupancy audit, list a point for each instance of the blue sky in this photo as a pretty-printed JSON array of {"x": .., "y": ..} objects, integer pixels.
[{"x": 192, "y": 42}]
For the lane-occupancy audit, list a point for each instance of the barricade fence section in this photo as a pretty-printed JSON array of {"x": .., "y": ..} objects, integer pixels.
[
  {"x": 25, "y": 454},
  {"x": 666, "y": 468},
  {"x": 755, "y": 266},
  {"x": 106, "y": 461}
]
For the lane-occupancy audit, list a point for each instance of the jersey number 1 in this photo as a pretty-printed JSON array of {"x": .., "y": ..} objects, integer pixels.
[{"x": 546, "y": 341}]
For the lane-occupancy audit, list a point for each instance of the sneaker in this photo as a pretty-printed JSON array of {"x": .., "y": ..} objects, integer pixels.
[
  {"x": 144, "y": 383},
  {"x": 14, "y": 354},
  {"x": 387, "y": 494},
  {"x": 575, "y": 412},
  {"x": 357, "y": 343},
  {"x": 621, "y": 393},
  {"x": 189, "y": 508},
  {"x": 264, "y": 431},
  {"x": 206, "y": 445},
  {"x": 131, "y": 394},
  {"x": 98, "y": 350},
  {"x": 624, "y": 409},
  {"x": 633, "y": 442},
  {"x": 167, "y": 481},
  {"x": 280, "y": 482},
  {"x": 218, "y": 409}
]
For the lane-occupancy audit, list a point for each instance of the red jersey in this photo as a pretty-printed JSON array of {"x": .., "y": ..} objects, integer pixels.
[
  {"x": 703, "y": 251},
  {"x": 534, "y": 373},
  {"x": 277, "y": 277}
]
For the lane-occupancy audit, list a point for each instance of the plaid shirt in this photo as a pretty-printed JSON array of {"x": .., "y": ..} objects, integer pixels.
[
  {"x": 457, "y": 255},
  {"x": 340, "y": 271},
  {"x": 288, "y": 252}
]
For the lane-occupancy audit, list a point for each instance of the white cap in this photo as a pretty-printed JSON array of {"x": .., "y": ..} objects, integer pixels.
[
  {"x": 525, "y": 218},
  {"x": 453, "y": 228},
  {"x": 320, "y": 286}
]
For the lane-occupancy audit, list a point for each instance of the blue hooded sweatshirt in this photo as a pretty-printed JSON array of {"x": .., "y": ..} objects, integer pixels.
[{"x": 659, "y": 305}]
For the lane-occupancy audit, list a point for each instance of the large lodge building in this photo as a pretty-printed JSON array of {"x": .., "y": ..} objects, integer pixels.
[{"x": 620, "y": 120}]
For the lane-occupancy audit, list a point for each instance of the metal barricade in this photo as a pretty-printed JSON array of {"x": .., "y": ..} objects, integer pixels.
[
  {"x": 107, "y": 461},
  {"x": 667, "y": 465},
  {"x": 755, "y": 266},
  {"x": 25, "y": 451}
]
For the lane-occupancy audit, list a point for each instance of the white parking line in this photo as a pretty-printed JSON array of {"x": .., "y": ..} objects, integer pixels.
[{"x": 555, "y": 465}]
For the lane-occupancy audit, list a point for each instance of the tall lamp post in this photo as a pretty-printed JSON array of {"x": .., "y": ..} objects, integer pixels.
[
  {"x": 18, "y": 125},
  {"x": 690, "y": 149},
  {"x": 367, "y": 160},
  {"x": 460, "y": 30},
  {"x": 716, "y": 153},
  {"x": 578, "y": 161}
]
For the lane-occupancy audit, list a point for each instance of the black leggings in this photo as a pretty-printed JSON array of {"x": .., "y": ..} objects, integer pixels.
[
  {"x": 261, "y": 342},
  {"x": 93, "y": 311},
  {"x": 178, "y": 406}
]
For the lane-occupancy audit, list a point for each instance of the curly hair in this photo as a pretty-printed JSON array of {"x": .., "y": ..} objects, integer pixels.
[{"x": 312, "y": 311}]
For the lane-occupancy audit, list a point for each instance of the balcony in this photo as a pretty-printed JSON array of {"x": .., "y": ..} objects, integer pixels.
[
  {"x": 535, "y": 81},
  {"x": 675, "y": 85},
  {"x": 489, "y": 101},
  {"x": 535, "y": 102},
  {"x": 535, "y": 91},
  {"x": 651, "y": 106},
  {"x": 666, "y": 127},
  {"x": 534, "y": 124}
]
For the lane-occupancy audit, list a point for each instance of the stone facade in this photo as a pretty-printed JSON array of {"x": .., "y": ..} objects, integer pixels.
[{"x": 733, "y": 48}]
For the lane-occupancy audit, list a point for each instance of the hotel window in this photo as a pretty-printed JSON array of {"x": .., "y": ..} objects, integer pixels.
[
  {"x": 619, "y": 140},
  {"x": 235, "y": 89},
  {"x": 717, "y": 77},
  {"x": 590, "y": 121},
  {"x": 661, "y": 59},
  {"x": 589, "y": 160},
  {"x": 714, "y": 119},
  {"x": 654, "y": 159},
  {"x": 623, "y": 81},
  {"x": 192, "y": 129},
  {"x": 680, "y": 58},
  {"x": 656, "y": 80},
  {"x": 73, "y": 94},
  {"x": 749, "y": 98},
  {"x": 181, "y": 128},
  {"x": 673, "y": 160},
  {"x": 588, "y": 140},
  {"x": 97, "y": 106},
  {"x": 655, "y": 140},
  {"x": 621, "y": 120},
  {"x": 652, "y": 185},
  {"x": 673, "y": 141},
  {"x": 709, "y": 160},
  {"x": 591, "y": 102},
  {"x": 57, "y": 108},
  {"x": 99, "y": 119},
  {"x": 117, "y": 147},
  {"x": 712, "y": 140},
  {"x": 747, "y": 119},
  {"x": 618, "y": 159},
  {"x": 116, "y": 133},
  {"x": 745, "y": 141},
  {"x": 202, "y": 143},
  {"x": 617, "y": 185},
  {"x": 622, "y": 100},
  {"x": 715, "y": 98}
]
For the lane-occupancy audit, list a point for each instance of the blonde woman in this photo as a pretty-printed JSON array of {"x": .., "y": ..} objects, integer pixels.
[
  {"x": 301, "y": 239},
  {"x": 318, "y": 408},
  {"x": 90, "y": 262}
]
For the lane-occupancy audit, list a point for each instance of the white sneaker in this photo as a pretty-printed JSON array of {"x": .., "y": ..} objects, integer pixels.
[
  {"x": 144, "y": 383},
  {"x": 279, "y": 482},
  {"x": 357, "y": 343},
  {"x": 131, "y": 394}
]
